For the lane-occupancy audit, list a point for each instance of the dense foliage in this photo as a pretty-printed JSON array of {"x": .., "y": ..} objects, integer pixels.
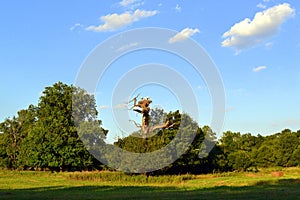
[{"x": 45, "y": 137}]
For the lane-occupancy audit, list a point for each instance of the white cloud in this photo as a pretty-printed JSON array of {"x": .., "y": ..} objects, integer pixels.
[
  {"x": 248, "y": 33},
  {"x": 127, "y": 46},
  {"x": 136, "y": 5},
  {"x": 115, "y": 21},
  {"x": 268, "y": 45},
  {"x": 77, "y": 25},
  {"x": 127, "y": 2},
  {"x": 178, "y": 8},
  {"x": 183, "y": 35},
  {"x": 260, "y": 5},
  {"x": 102, "y": 107},
  {"x": 257, "y": 69},
  {"x": 200, "y": 87},
  {"x": 121, "y": 106},
  {"x": 132, "y": 4}
]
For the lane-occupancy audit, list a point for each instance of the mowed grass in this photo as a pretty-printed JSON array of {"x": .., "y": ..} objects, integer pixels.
[{"x": 114, "y": 185}]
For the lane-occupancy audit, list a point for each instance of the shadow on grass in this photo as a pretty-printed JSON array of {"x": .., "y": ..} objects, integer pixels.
[{"x": 279, "y": 189}]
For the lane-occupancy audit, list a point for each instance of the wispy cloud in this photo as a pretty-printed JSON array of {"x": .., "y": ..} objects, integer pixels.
[
  {"x": 201, "y": 87},
  {"x": 261, "y": 5},
  {"x": 102, "y": 107},
  {"x": 127, "y": 46},
  {"x": 248, "y": 33},
  {"x": 269, "y": 45},
  {"x": 257, "y": 69},
  {"x": 121, "y": 106},
  {"x": 132, "y": 4},
  {"x": 116, "y": 21},
  {"x": 183, "y": 35},
  {"x": 75, "y": 26},
  {"x": 127, "y": 2},
  {"x": 177, "y": 8}
]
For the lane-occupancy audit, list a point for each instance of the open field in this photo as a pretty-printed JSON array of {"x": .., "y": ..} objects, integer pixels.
[{"x": 266, "y": 184}]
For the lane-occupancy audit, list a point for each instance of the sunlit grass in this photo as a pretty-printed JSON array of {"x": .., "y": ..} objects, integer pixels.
[{"x": 116, "y": 185}]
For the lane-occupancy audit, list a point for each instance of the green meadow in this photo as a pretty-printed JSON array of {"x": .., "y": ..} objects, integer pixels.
[{"x": 272, "y": 183}]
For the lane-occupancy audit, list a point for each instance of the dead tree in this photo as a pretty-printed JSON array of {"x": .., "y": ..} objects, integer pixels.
[{"x": 143, "y": 107}]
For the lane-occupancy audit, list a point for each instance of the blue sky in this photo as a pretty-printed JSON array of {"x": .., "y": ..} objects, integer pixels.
[{"x": 255, "y": 45}]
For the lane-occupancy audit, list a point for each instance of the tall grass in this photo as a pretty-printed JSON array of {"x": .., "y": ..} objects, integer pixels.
[
  {"x": 120, "y": 177},
  {"x": 117, "y": 185}
]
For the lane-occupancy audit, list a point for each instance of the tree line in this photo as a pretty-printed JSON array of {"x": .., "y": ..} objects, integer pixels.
[{"x": 53, "y": 136}]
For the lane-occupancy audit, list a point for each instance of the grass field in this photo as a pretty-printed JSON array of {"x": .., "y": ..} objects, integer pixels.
[{"x": 266, "y": 184}]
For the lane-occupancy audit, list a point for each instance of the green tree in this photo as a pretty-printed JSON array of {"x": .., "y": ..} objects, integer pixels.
[
  {"x": 15, "y": 130},
  {"x": 239, "y": 150},
  {"x": 10, "y": 138},
  {"x": 285, "y": 145},
  {"x": 54, "y": 142},
  {"x": 180, "y": 135}
]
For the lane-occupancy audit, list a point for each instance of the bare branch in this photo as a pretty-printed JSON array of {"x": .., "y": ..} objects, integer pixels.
[{"x": 136, "y": 124}]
